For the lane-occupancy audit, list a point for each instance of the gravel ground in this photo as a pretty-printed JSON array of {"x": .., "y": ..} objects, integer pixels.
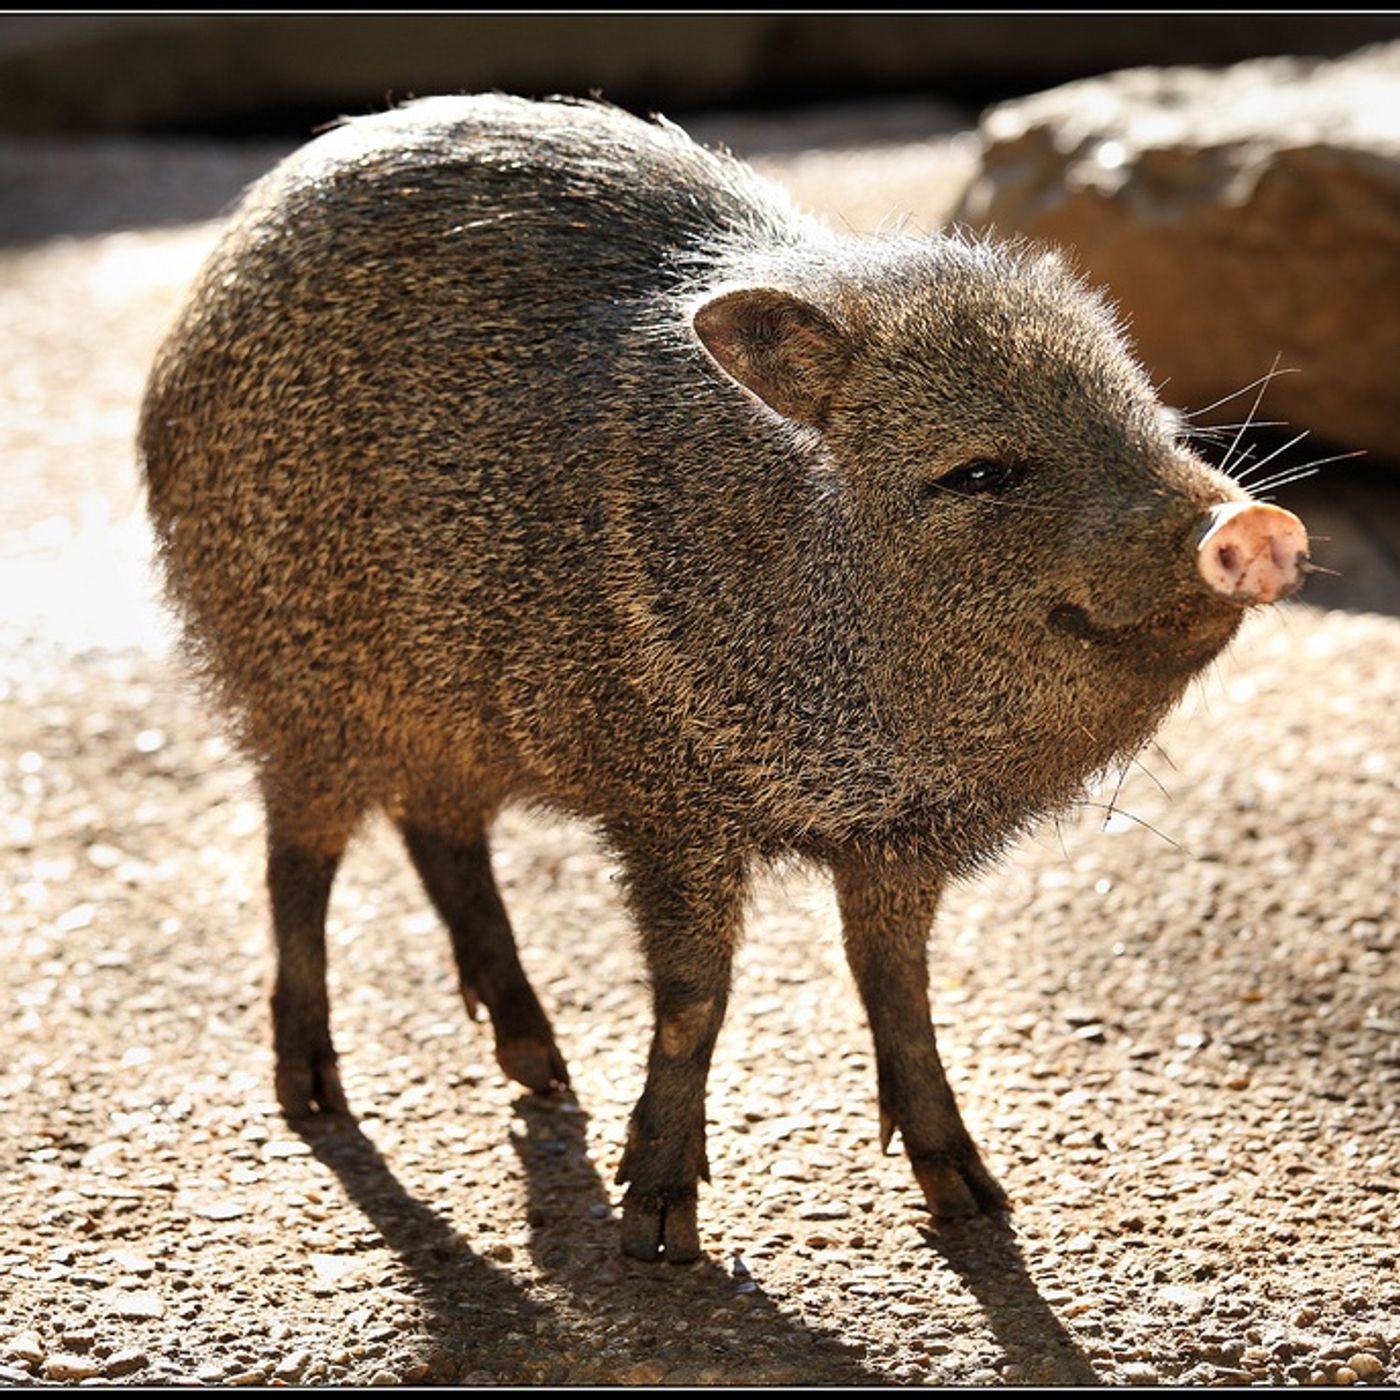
[{"x": 1174, "y": 1026}]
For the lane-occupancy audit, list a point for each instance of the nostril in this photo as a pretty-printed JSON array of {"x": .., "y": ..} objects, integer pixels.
[{"x": 1228, "y": 557}]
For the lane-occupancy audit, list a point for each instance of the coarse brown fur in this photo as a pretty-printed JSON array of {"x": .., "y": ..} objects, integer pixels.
[{"x": 511, "y": 450}]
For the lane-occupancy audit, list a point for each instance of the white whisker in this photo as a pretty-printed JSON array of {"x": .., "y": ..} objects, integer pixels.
[
  {"x": 1285, "y": 480},
  {"x": 1262, "y": 380},
  {"x": 1264, "y": 461},
  {"x": 1249, "y": 417},
  {"x": 1303, "y": 469}
]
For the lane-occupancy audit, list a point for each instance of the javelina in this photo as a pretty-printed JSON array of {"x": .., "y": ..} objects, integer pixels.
[{"x": 512, "y": 450}]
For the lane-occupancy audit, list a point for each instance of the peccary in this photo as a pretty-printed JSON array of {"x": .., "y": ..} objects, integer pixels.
[{"x": 528, "y": 451}]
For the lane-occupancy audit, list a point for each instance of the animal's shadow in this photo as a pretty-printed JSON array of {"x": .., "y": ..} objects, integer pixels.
[
  {"x": 490, "y": 1328},
  {"x": 493, "y": 1329},
  {"x": 985, "y": 1255}
]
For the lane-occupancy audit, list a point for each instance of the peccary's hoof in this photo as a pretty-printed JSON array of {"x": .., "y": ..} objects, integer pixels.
[
  {"x": 651, "y": 1230},
  {"x": 472, "y": 1002},
  {"x": 308, "y": 1087},
  {"x": 536, "y": 1064},
  {"x": 957, "y": 1190}
]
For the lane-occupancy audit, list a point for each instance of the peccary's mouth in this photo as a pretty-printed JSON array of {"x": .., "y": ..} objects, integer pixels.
[
  {"x": 1074, "y": 622},
  {"x": 1179, "y": 639}
]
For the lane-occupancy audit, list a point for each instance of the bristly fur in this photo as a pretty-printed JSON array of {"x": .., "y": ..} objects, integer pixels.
[{"x": 458, "y": 510}]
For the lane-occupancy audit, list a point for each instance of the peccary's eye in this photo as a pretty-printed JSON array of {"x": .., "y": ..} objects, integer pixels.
[{"x": 983, "y": 476}]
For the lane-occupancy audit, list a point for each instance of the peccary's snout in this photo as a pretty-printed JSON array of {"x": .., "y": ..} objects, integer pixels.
[{"x": 1250, "y": 552}]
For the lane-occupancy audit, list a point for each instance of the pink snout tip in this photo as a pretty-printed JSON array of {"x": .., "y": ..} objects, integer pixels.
[{"x": 1250, "y": 552}]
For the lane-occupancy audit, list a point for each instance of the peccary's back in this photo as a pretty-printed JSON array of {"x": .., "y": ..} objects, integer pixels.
[{"x": 432, "y": 454}]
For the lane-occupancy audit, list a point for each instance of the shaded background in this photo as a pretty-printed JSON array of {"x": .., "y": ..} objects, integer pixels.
[{"x": 282, "y": 75}]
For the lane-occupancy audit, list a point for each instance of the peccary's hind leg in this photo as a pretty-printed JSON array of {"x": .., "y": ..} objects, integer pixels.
[
  {"x": 456, "y": 871},
  {"x": 887, "y": 910},
  {"x": 302, "y": 858},
  {"x": 688, "y": 911}
]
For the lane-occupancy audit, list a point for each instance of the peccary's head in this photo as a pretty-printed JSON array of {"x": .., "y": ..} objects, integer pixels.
[{"x": 1042, "y": 564}]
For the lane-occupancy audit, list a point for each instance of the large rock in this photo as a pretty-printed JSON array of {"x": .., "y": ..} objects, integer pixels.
[{"x": 1234, "y": 215}]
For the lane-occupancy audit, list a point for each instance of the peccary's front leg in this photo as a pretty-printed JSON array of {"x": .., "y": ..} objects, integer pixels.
[
  {"x": 887, "y": 908},
  {"x": 688, "y": 909}
]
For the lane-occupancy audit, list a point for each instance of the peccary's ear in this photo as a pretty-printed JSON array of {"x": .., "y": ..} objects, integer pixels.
[{"x": 777, "y": 346}]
